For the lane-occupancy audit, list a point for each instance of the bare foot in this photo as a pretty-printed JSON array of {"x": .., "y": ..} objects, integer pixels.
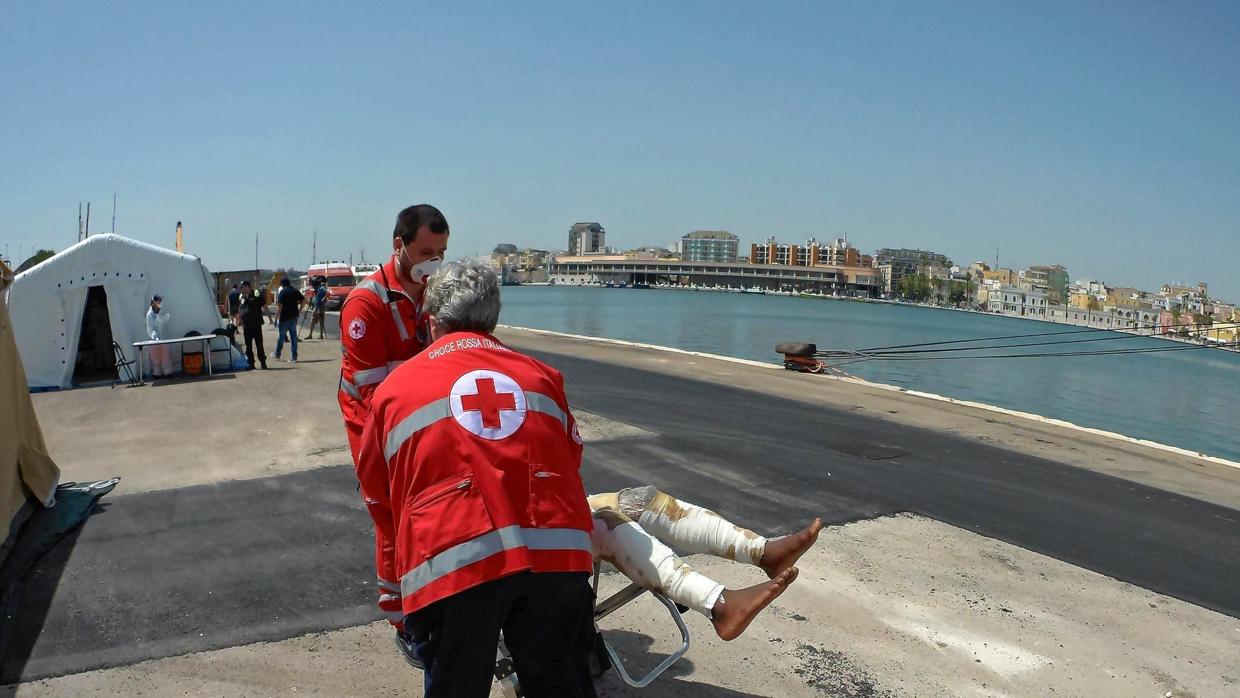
[
  {"x": 736, "y": 608},
  {"x": 782, "y": 553}
]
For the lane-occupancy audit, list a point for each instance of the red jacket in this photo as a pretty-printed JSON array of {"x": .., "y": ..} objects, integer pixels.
[
  {"x": 470, "y": 463},
  {"x": 380, "y": 327}
]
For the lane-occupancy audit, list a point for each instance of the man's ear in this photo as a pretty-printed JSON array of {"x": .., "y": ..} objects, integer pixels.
[{"x": 436, "y": 330}]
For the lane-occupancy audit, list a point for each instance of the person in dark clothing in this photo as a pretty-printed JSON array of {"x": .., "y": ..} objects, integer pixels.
[
  {"x": 250, "y": 307},
  {"x": 318, "y": 306},
  {"x": 234, "y": 306},
  {"x": 290, "y": 301}
]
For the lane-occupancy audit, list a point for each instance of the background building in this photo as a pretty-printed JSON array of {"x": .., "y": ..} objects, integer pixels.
[
  {"x": 709, "y": 246},
  {"x": 586, "y": 238},
  {"x": 838, "y": 253},
  {"x": 1050, "y": 279},
  {"x": 520, "y": 266},
  {"x": 895, "y": 264}
]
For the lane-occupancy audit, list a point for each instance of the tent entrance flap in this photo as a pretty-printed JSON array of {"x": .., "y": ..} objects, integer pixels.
[{"x": 95, "y": 359}]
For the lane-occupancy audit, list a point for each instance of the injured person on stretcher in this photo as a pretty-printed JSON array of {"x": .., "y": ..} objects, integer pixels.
[{"x": 636, "y": 530}]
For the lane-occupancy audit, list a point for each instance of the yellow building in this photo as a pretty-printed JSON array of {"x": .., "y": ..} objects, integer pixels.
[
  {"x": 1226, "y": 327},
  {"x": 1007, "y": 277},
  {"x": 1084, "y": 300},
  {"x": 1125, "y": 297}
]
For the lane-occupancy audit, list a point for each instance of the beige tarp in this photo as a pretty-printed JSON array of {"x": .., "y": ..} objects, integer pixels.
[{"x": 26, "y": 470}]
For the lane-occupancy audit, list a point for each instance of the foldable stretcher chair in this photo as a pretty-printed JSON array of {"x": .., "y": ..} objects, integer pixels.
[{"x": 604, "y": 656}]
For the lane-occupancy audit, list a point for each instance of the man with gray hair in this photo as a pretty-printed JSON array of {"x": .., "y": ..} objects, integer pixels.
[{"x": 469, "y": 466}]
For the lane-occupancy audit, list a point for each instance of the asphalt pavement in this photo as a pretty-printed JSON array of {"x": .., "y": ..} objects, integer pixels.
[{"x": 186, "y": 569}]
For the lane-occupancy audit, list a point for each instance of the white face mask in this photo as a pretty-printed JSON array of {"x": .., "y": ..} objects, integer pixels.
[{"x": 422, "y": 271}]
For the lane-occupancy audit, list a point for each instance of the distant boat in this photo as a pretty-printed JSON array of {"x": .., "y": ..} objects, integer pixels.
[{"x": 754, "y": 289}]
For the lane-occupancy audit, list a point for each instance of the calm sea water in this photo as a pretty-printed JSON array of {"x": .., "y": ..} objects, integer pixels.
[{"x": 1189, "y": 399}]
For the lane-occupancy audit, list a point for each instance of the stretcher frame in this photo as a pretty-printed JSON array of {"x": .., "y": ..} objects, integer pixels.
[{"x": 505, "y": 671}]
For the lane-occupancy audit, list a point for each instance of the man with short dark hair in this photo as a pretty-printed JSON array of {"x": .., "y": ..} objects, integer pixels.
[
  {"x": 290, "y": 302},
  {"x": 382, "y": 325},
  {"x": 469, "y": 463},
  {"x": 250, "y": 308}
]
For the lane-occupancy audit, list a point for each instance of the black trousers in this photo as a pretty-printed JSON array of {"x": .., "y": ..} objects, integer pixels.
[
  {"x": 253, "y": 335},
  {"x": 548, "y": 624}
]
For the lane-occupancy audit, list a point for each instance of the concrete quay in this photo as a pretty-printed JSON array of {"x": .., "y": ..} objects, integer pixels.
[{"x": 970, "y": 552}]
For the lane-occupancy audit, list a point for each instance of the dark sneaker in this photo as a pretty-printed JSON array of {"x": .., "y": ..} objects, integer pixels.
[{"x": 407, "y": 649}]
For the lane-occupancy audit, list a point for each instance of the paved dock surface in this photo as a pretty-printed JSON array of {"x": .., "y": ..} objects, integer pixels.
[{"x": 970, "y": 553}]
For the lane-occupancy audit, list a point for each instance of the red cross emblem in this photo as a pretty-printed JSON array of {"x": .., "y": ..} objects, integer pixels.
[{"x": 488, "y": 404}]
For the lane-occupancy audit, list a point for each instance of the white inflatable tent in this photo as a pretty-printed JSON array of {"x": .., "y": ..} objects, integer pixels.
[{"x": 104, "y": 284}]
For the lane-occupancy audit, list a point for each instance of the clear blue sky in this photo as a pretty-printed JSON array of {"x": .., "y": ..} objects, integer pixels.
[{"x": 1101, "y": 135}]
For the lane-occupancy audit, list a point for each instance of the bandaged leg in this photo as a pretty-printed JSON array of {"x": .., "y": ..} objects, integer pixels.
[
  {"x": 650, "y": 563},
  {"x": 644, "y": 559},
  {"x": 688, "y": 528}
]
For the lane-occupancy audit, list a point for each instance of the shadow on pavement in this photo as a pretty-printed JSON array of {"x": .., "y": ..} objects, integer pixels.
[
  {"x": 25, "y": 607},
  {"x": 635, "y": 650}
]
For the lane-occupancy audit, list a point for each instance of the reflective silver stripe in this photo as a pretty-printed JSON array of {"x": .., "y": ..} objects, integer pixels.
[
  {"x": 374, "y": 287},
  {"x": 420, "y": 419},
  {"x": 442, "y": 408},
  {"x": 388, "y": 586},
  {"x": 395, "y": 616},
  {"x": 508, "y": 538},
  {"x": 537, "y": 402},
  {"x": 349, "y": 390},
  {"x": 400, "y": 324},
  {"x": 370, "y": 376},
  {"x": 391, "y": 365}
]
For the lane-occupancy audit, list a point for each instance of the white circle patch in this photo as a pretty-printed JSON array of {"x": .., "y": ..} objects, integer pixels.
[
  {"x": 488, "y": 404},
  {"x": 357, "y": 328}
]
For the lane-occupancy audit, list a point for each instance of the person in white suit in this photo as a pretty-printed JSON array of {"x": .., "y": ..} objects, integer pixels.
[{"x": 161, "y": 354}]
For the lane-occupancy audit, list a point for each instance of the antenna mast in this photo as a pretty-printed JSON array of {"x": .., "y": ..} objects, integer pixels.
[{"x": 114, "y": 213}]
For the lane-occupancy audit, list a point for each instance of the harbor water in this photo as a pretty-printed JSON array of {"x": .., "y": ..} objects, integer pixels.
[{"x": 1188, "y": 399}]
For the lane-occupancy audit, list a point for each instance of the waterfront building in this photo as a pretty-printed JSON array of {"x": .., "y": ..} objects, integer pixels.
[
  {"x": 650, "y": 252},
  {"x": 1016, "y": 302},
  {"x": 621, "y": 271},
  {"x": 586, "y": 238},
  {"x": 1126, "y": 297},
  {"x": 520, "y": 266},
  {"x": 837, "y": 253},
  {"x": 1004, "y": 276},
  {"x": 841, "y": 254},
  {"x": 709, "y": 246},
  {"x": 1142, "y": 322},
  {"x": 774, "y": 252},
  {"x": 1187, "y": 298},
  {"x": 985, "y": 289},
  {"x": 1051, "y": 280},
  {"x": 1198, "y": 291},
  {"x": 895, "y": 264},
  {"x": 1084, "y": 300},
  {"x": 1226, "y": 327}
]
